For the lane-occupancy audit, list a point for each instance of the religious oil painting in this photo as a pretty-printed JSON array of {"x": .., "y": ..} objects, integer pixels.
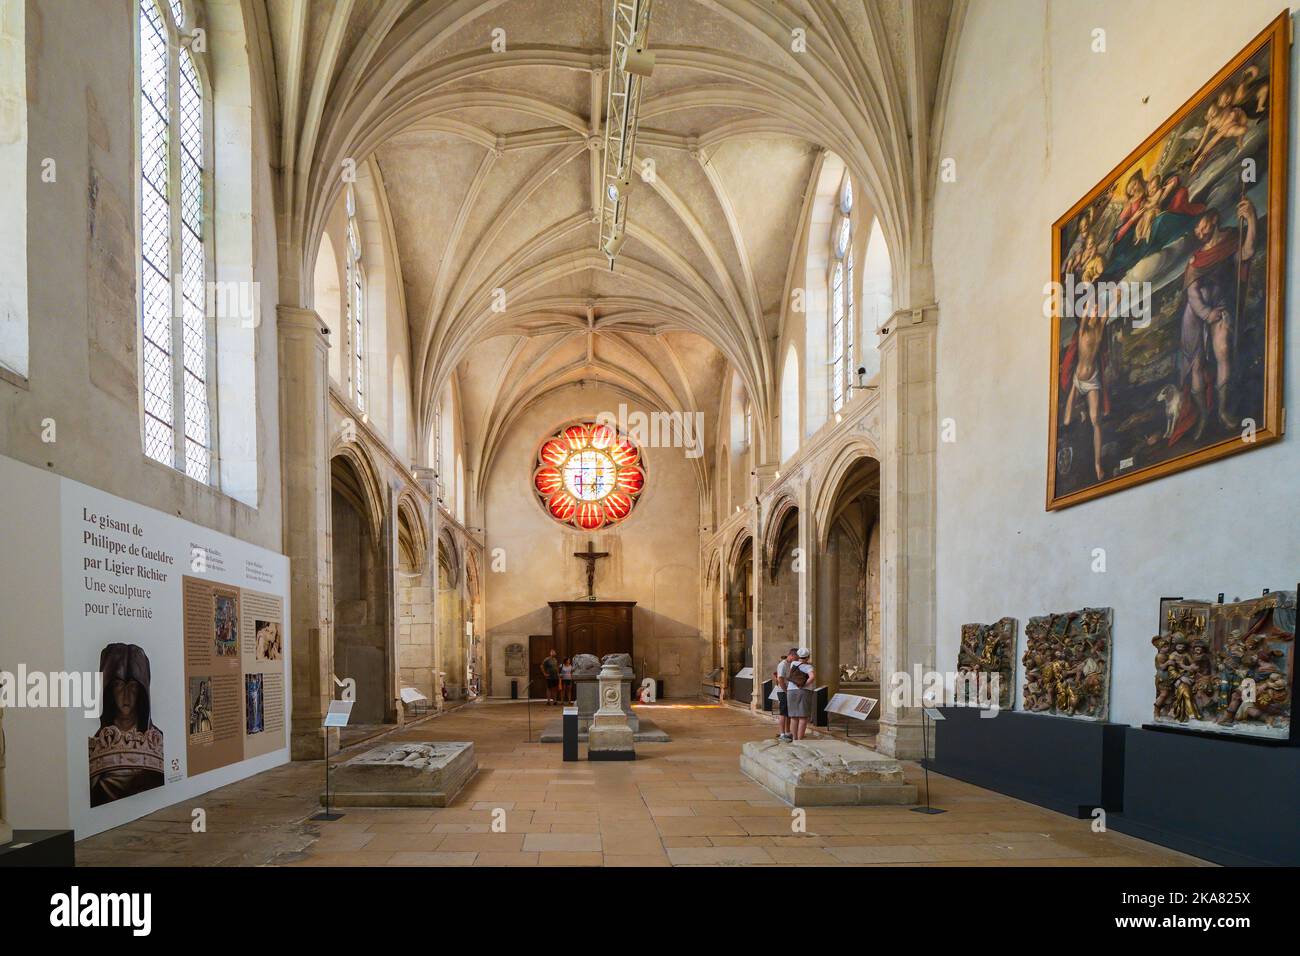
[
  {"x": 1227, "y": 669},
  {"x": 1167, "y": 291}
]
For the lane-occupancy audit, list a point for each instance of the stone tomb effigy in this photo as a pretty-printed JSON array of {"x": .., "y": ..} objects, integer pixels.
[
  {"x": 406, "y": 774},
  {"x": 822, "y": 772}
]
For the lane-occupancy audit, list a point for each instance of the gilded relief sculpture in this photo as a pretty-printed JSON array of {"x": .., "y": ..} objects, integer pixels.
[
  {"x": 1227, "y": 668},
  {"x": 987, "y": 650},
  {"x": 1067, "y": 664}
]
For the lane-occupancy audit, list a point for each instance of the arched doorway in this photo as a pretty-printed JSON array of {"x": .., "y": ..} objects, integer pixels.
[
  {"x": 740, "y": 621},
  {"x": 361, "y": 596},
  {"x": 848, "y": 583},
  {"x": 414, "y": 603},
  {"x": 781, "y": 597}
]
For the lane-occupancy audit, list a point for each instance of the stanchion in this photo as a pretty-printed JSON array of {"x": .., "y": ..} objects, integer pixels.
[{"x": 925, "y": 763}]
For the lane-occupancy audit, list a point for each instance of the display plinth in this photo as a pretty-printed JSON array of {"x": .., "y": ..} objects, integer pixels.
[
  {"x": 610, "y": 735},
  {"x": 1071, "y": 766},
  {"x": 405, "y": 774},
  {"x": 826, "y": 773},
  {"x": 1225, "y": 800},
  {"x": 39, "y": 848}
]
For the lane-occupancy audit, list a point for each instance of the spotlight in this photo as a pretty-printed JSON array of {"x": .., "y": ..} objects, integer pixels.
[
  {"x": 619, "y": 189},
  {"x": 614, "y": 244},
  {"x": 636, "y": 59}
]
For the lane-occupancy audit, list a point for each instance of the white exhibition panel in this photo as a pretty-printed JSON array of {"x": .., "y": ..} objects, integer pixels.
[{"x": 121, "y": 571}]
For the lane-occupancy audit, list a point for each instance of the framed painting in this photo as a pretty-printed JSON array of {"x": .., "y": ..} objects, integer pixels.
[{"x": 1167, "y": 288}]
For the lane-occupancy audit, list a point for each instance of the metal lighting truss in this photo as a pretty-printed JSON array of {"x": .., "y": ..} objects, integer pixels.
[{"x": 631, "y": 19}]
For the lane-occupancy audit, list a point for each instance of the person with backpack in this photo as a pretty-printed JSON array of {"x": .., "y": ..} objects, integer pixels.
[
  {"x": 799, "y": 693},
  {"x": 781, "y": 677}
]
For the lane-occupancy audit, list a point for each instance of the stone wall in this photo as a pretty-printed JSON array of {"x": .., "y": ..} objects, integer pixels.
[{"x": 654, "y": 553}]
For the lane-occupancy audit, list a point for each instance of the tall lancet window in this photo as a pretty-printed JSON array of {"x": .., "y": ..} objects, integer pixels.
[
  {"x": 356, "y": 305},
  {"x": 842, "y": 316},
  {"x": 177, "y": 332}
]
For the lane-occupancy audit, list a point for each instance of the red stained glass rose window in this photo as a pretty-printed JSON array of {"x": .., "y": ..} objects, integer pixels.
[{"x": 589, "y": 476}]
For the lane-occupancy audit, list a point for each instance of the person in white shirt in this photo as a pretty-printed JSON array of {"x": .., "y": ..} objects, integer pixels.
[
  {"x": 799, "y": 693},
  {"x": 779, "y": 676}
]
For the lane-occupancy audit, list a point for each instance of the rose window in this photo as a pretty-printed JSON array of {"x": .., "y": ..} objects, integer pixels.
[{"x": 588, "y": 476}]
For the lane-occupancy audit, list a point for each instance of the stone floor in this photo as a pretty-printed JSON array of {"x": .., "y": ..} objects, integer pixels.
[{"x": 681, "y": 803}]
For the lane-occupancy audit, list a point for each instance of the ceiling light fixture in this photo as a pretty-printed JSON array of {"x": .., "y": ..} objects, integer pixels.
[{"x": 629, "y": 66}]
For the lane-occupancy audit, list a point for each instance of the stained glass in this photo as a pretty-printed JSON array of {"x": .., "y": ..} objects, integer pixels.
[{"x": 589, "y": 476}]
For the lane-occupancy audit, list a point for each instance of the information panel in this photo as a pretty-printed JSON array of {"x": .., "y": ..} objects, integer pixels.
[{"x": 186, "y": 628}]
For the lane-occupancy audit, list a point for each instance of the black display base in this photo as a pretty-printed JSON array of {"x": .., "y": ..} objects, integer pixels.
[
  {"x": 1222, "y": 800},
  {"x": 611, "y": 754},
  {"x": 39, "y": 848},
  {"x": 328, "y": 817},
  {"x": 1071, "y": 766}
]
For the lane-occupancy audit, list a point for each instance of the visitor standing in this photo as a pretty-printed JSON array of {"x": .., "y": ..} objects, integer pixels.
[
  {"x": 799, "y": 693},
  {"x": 551, "y": 672},
  {"x": 566, "y": 681},
  {"x": 781, "y": 677}
]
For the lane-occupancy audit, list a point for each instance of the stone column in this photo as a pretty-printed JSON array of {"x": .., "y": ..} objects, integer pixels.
[
  {"x": 764, "y": 477},
  {"x": 827, "y": 644},
  {"x": 304, "y": 452},
  {"x": 428, "y": 480},
  {"x": 392, "y": 612},
  {"x": 907, "y": 518},
  {"x": 805, "y": 571}
]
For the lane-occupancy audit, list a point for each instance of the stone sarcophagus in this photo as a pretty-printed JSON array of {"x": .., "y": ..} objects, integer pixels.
[
  {"x": 404, "y": 774},
  {"x": 821, "y": 772}
]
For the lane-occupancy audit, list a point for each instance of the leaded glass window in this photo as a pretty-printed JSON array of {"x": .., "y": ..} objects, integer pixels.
[
  {"x": 842, "y": 316},
  {"x": 356, "y": 306},
  {"x": 175, "y": 326}
]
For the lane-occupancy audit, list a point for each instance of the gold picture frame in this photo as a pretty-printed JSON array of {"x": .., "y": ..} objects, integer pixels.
[{"x": 1137, "y": 395}]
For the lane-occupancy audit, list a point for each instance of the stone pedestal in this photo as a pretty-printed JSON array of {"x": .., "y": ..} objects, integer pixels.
[
  {"x": 403, "y": 775},
  {"x": 819, "y": 773},
  {"x": 587, "y": 697},
  {"x": 610, "y": 735}
]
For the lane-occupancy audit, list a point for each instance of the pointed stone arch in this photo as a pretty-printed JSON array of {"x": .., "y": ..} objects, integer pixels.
[
  {"x": 354, "y": 475},
  {"x": 828, "y": 483},
  {"x": 412, "y": 533}
]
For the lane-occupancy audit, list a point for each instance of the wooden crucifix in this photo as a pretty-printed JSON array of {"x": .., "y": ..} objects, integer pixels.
[{"x": 591, "y": 556}]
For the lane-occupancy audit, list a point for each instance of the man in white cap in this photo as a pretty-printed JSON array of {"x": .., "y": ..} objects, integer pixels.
[{"x": 799, "y": 693}]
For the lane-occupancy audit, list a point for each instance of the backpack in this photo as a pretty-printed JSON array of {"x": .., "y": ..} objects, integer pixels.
[{"x": 797, "y": 675}]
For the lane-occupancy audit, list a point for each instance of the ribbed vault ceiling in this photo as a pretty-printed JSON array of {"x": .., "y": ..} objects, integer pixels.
[{"x": 490, "y": 164}]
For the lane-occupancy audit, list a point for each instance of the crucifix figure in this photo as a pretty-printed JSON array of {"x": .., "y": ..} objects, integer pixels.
[{"x": 591, "y": 556}]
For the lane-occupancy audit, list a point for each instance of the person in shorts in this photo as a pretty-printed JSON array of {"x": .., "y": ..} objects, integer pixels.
[
  {"x": 780, "y": 676},
  {"x": 799, "y": 693},
  {"x": 551, "y": 672}
]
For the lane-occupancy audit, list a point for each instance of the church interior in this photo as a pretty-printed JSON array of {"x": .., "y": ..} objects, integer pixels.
[{"x": 447, "y": 432}]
